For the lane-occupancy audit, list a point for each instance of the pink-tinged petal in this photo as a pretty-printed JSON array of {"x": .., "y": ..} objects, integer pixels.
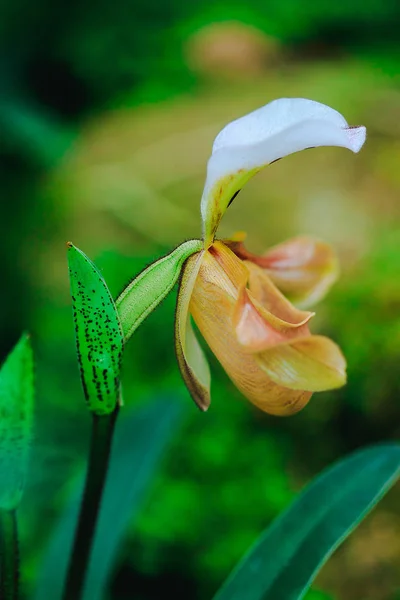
[
  {"x": 272, "y": 300},
  {"x": 250, "y": 143},
  {"x": 313, "y": 363},
  {"x": 258, "y": 329},
  {"x": 253, "y": 332},
  {"x": 303, "y": 268},
  {"x": 191, "y": 360},
  {"x": 212, "y": 305}
]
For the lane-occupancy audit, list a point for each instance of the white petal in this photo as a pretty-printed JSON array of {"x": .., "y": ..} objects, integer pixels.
[
  {"x": 277, "y": 129},
  {"x": 276, "y": 117}
]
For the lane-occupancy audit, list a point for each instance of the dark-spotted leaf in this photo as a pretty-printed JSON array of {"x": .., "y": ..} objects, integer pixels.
[
  {"x": 151, "y": 286},
  {"x": 285, "y": 560},
  {"x": 98, "y": 332},
  {"x": 16, "y": 416},
  {"x": 141, "y": 439}
]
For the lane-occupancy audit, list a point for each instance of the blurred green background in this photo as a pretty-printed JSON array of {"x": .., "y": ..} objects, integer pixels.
[{"x": 108, "y": 111}]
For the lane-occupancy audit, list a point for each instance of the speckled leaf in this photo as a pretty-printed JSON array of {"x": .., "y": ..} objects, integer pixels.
[
  {"x": 149, "y": 288},
  {"x": 16, "y": 415},
  {"x": 98, "y": 332}
]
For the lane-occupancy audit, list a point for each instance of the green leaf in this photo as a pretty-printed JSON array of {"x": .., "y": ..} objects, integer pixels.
[
  {"x": 149, "y": 288},
  {"x": 284, "y": 561},
  {"x": 99, "y": 338},
  {"x": 140, "y": 441},
  {"x": 317, "y": 595},
  {"x": 16, "y": 416}
]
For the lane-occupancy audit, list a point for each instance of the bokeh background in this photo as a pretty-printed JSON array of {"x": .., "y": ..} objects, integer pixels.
[{"x": 108, "y": 111}]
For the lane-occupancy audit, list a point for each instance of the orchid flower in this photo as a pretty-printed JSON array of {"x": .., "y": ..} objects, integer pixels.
[{"x": 242, "y": 303}]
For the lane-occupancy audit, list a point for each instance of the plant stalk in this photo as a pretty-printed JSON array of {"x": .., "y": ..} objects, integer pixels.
[
  {"x": 99, "y": 455},
  {"x": 9, "y": 555}
]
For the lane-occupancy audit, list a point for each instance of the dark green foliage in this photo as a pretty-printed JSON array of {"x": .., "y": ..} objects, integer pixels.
[
  {"x": 286, "y": 558},
  {"x": 141, "y": 438}
]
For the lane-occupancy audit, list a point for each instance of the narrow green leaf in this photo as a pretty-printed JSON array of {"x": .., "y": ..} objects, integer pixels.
[
  {"x": 99, "y": 338},
  {"x": 16, "y": 416},
  {"x": 284, "y": 561},
  {"x": 149, "y": 288},
  {"x": 140, "y": 441}
]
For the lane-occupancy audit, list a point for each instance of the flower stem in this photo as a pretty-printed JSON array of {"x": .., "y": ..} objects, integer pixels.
[
  {"x": 100, "y": 447},
  {"x": 9, "y": 555}
]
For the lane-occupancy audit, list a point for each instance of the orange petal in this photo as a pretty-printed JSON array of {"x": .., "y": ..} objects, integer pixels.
[
  {"x": 212, "y": 304},
  {"x": 312, "y": 363},
  {"x": 191, "y": 360},
  {"x": 233, "y": 267},
  {"x": 304, "y": 268}
]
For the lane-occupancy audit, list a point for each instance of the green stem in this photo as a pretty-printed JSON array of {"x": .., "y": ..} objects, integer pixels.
[
  {"x": 100, "y": 446},
  {"x": 9, "y": 555}
]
